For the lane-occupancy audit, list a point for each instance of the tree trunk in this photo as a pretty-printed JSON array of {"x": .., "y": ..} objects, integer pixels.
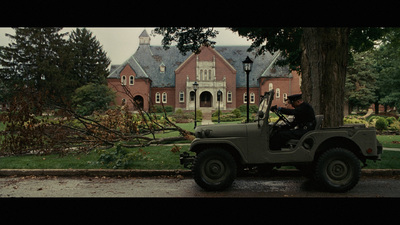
[{"x": 323, "y": 71}]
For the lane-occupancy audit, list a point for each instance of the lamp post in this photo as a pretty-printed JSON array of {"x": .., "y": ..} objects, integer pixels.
[
  {"x": 219, "y": 93},
  {"x": 195, "y": 86},
  {"x": 247, "y": 64}
]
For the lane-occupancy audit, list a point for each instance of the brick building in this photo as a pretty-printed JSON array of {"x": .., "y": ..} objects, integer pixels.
[{"x": 160, "y": 76}]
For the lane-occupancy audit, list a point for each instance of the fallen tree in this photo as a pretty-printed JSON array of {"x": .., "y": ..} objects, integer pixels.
[{"x": 27, "y": 132}]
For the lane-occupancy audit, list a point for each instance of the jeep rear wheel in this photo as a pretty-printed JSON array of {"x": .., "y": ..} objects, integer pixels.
[
  {"x": 214, "y": 169},
  {"x": 338, "y": 170}
]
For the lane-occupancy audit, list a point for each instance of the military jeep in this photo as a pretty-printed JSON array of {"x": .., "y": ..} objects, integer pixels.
[{"x": 331, "y": 156}]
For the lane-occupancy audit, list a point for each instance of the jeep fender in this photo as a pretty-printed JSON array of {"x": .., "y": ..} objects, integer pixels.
[{"x": 198, "y": 145}]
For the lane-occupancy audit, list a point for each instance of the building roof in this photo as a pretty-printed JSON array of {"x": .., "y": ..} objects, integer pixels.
[{"x": 147, "y": 59}]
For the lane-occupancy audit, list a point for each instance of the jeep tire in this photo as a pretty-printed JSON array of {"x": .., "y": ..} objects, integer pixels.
[
  {"x": 214, "y": 169},
  {"x": 337, "y": 170}
]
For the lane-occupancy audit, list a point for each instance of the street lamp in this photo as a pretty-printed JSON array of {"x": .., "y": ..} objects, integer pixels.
[
  {"x": 195, "y": 86},
  {"x": 247, "y": 64},
  {"x": 219, "y": 93}
]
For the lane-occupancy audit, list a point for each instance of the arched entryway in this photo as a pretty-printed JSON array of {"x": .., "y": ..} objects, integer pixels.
[
  {"x": 139, "y": 102},
  {"x": 205, "y": 99}
]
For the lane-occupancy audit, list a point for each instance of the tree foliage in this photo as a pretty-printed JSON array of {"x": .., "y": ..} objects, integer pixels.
[
  {"x": 361, "y": 80},
  {"x": 90, "y": 62},
  {"x": 92, "y": 97},
  {"x": 34, "y": 59},
  {"x": 388, "y": 67}
]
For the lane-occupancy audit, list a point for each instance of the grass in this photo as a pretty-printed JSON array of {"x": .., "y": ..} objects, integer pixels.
[
  {"x": 159, "y": 157},
  {"x": 389, "y": 141}
]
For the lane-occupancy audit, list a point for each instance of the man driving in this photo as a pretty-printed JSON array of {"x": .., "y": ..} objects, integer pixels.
[{"x": 304, "y": 121}]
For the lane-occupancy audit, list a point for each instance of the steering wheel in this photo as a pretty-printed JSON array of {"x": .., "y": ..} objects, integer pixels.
[{"x": 283, "y": 118}]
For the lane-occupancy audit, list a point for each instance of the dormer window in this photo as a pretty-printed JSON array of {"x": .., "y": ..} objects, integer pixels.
[
  {"x": 123, "y": 80},
  {"x": 162, "y": 68}
]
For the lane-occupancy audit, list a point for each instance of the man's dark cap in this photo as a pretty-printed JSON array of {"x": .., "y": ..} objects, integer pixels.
[{"x": 295, "y": 97}]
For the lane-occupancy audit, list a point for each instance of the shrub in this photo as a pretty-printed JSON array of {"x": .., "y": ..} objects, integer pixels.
[
  {"x": 252, "y": 108},
  {"x": 92, "y": 97},
  {"x": 121, "y": 158},
  {"x": 216, "y": 113},
  {"x": 237, "y": 113},
  {"x": 381, "y": 124},
  {"x": 159, "y": 108},
  {"x": 390, "y": 120}
]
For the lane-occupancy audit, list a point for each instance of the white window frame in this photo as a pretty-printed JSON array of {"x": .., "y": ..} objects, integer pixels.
[
  {"x": 252, "y": 97},
  {"x": 158, "y": 97},
  {"x": 229, "y": 96},
  {"x": 278, "y": 93},
  {"x": 131, "y": 80},
  {"x": 123, "y": 80},
  {"x": 245, "y": 97},
  {"x": 164, "y": 97},
  {"x": 270, "y": 86},
  {"x": 284, "y": 97},
  {"x": 181, "y": 96}
]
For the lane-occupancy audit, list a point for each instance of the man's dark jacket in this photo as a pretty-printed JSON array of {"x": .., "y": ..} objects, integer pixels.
[{"x": 303, "y": 115}]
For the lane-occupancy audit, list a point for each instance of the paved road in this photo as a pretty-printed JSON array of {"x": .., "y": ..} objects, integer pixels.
[{"x": 178, "y": 186}]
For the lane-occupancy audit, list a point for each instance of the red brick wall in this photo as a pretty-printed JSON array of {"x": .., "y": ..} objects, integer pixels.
[
  {"x": 188, "y": 69},
  {"x": 240, "y": 93},
  {"x": 289, "y": 86},
  {"x": 170, "y": 96},
  {"x": 140, "y": 87}
]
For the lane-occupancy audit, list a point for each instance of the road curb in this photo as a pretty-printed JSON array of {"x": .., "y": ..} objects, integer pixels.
[
  {"x": 92, "y": 172},
  {"x": 156, "y": 173}
]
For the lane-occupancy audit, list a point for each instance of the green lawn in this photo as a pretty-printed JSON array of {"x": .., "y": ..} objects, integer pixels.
[
  {"x": 158, "y": 157},
  {"x": 389, "y": 141}
]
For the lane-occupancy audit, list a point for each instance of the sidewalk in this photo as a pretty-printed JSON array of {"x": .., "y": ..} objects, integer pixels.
[
  {"x": 206, "y": 117},
  {"x": 391, "y": 149}
]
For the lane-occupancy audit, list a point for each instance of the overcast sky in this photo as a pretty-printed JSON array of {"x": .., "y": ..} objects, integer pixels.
[{"x": 121, "y": 43}]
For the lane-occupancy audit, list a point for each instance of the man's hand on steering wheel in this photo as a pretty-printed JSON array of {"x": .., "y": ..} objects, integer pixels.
[{"x": 276, "y": 110}]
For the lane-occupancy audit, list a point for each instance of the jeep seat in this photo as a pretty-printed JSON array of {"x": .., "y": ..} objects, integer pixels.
[
  {"x": 318, "y": 125},
  {"x": 318, "y": 121}
]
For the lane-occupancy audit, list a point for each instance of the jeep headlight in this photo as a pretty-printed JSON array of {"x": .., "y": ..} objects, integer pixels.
[
  {"x": 198, "y": 134},
  {"x": 202, "y": 133}
]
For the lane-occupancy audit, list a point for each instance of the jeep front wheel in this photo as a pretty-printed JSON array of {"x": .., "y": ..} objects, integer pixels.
[
  {"x": 214, "y": 169},
  {"x": 338, "y": 170}
]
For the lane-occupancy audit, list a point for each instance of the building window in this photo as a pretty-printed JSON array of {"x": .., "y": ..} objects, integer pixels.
[
  {"x": 123, "y": 80},
  {"x": 162, "y": 68},
  {"x": 123, "y": 102},
  {"x": 201, "y": 75},
  {"x": 209, "y": 74},
  {"x": 270, "y": 86},
  {"x": 229, "y": 96},
  {"x": 205, "y": 74},
  {"x": 181, "y": 96},
  {"x": 164, "y": 97},
  {"x": 158, "y": 97},
  {"x": 284, "y": 97},
  {"x": 131, "y": 80},
  {"x": 245, "y": 97},
  {"x": 278, "y": 93},
  {"x": 252, "y": 97},
  {"x": 192, "y": 95}
]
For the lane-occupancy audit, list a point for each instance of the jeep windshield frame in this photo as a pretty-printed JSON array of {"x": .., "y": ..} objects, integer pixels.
[{"x": 265, "y": 106}]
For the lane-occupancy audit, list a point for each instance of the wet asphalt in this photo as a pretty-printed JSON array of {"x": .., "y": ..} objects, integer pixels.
[{"x": 183, "y": 187}]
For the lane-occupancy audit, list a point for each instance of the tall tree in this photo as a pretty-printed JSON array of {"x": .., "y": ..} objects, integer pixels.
[
  {"x": 32, "y": 60},
  {"x": 90, "y": 60},
  {"x": 388, "y": 66},
  {"x": 361, "y": 78},
  {"x": 319, "y": 54}
]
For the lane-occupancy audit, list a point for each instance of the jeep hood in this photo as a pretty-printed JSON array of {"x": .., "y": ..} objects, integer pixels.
[{"x": 223, "y": 130}]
